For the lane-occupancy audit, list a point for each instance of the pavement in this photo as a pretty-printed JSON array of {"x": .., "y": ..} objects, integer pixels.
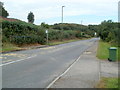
[
  {"x": 84, "y": 73},
  {"x": 37, "y": 68},
  {"x": 87, "y": 71},
  {"x": 109, "y": 69}
]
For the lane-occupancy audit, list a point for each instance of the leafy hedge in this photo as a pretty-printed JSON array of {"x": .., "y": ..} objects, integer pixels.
[
  {"x": 19, "y": 32},
  {"x": 60, "y": 34},
  {"x": 110, "y": 32}
]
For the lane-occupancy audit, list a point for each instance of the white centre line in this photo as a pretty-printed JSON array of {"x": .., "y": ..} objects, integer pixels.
[{"x": 17, "y": 60}]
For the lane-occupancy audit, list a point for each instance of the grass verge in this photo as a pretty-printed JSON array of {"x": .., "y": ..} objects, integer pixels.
[
  {"x": 9, "y": 47},
  {"x": 64, "y": 41},
  {"x": 103, "y": 50},
  {"x": 108, "y": 83}
]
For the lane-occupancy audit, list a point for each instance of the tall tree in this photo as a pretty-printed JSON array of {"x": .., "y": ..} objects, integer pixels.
[
  {"x": 30, "y": 17},
  {"x": 3, "y": 12}
]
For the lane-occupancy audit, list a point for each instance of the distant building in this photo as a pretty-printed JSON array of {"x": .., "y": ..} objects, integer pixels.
[{"x": 119, "y": 11}]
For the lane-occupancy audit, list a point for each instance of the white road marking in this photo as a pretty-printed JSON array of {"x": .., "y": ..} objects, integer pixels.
[
  {"x": 62, "y": 73},
  {"x": 17, "y": 60},
  {"x": 3, "y": 57},
  {"x": 66, "y": 72}
]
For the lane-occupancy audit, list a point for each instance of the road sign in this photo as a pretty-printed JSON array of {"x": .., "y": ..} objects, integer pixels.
[
  {"x": 46, "y": 31},
  {"x": 95, "y": 33},
  {"x": 47, "y": 36}
]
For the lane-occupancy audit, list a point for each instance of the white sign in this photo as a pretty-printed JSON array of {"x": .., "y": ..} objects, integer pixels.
[
  {"x": 46, "y": 31},
  {"x": 95, "y": 33}
]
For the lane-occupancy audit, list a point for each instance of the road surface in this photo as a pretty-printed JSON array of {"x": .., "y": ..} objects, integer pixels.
[{"x": 37, "y": 68}]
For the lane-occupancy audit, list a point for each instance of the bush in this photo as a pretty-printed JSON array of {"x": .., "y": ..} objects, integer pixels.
[
  {"x": 19, "y": 32},
  {"x": 109, "y": 32}
]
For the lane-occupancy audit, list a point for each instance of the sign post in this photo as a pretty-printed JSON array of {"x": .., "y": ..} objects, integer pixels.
[
  {"x": 95, "y": 34},
  {"x": 47, "y": 36}
]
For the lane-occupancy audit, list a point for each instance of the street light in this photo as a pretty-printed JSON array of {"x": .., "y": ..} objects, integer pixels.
[
  {"x": 62, "y": 13},
  {"x": 62, "y": 23},
  {"x": 119, "y": 11},
  {"x": 81, "y": 22}
]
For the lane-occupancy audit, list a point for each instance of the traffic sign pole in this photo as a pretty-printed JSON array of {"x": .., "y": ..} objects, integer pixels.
[{"x": 47, "y": 36}]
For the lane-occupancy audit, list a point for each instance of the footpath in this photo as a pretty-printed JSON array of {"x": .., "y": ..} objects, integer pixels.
[{"x": 85, "y": 72}]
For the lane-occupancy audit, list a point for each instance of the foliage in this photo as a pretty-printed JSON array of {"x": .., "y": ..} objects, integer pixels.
[
  {"x": 67, "y": 26},
  {"x": 19, "y": 32},
  {"x": 3, "y": 12},
  {"x": 75, "y": 27},
  {"x": 30, "y": 17},
  {"x": 109, "y": 32},
  {"x": 43, "y": 25},
  {"x": 110, "y": 83}
]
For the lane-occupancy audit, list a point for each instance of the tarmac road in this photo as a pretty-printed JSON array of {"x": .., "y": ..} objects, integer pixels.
[{"x": 37, "y": 68}]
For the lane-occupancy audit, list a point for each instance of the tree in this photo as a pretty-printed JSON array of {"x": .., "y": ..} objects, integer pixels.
[
  {"x": 30, "y": 17},
  {"x": 3, "y": 12},
  {"x": 44, "y": 25}
]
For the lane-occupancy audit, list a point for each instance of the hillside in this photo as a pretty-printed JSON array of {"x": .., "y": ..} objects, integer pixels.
[{"x": 8, "y": 19}]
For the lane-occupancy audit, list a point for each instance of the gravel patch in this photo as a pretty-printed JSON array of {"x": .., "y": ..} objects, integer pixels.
[{"x": 109, "y": 69}]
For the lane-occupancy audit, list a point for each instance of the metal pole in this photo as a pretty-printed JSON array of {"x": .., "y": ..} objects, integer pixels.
[
  {"x": 62, "y": 13},
  {"x": 46, "y": 36},
  {"x": 81, "y": 22},
  {"x": 118, "y": 31},
  {"x": 62, "y": 22}
]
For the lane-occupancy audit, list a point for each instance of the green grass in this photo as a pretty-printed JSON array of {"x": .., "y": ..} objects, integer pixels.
[
  {"x": 9, "y": 47},
  {"x": 108, "y": 83},
  {"x": 103, "y": 50},
  {"x": 64, "y": 41}
]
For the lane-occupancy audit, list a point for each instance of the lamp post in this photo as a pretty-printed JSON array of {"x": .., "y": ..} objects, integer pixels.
[
  {"x": 81, "y": 22},
  {"x": 118, "y": 21},
  {"x": 61, "y": 24},
  {"x": 62, "y": 13}
]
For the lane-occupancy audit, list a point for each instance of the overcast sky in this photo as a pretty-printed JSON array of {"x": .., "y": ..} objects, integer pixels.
[{"x": 75, "y": 11}]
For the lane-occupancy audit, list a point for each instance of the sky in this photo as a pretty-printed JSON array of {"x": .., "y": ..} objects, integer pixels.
[{"x": 75, "y": 11}]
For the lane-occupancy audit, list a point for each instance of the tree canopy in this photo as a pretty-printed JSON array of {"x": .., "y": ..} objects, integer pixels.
[
  {"x": 44, "y": 25},
  {"x": 30, "y": 17},
  {"x": 3, "y": 12}
]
